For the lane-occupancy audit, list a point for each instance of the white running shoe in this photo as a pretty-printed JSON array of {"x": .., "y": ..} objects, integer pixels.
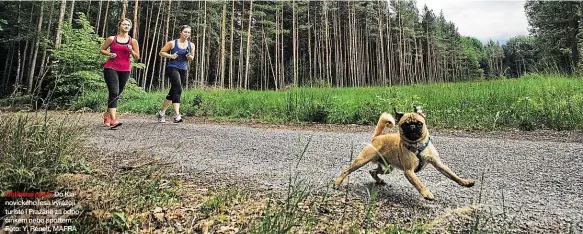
[
  {"x": 178, "y": 119},
  {"x": 161, "y": 117}
]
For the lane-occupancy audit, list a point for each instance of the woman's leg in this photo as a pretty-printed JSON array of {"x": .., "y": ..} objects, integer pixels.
[
  {"x": 178, "y": 93},
  {"x": 170, "y": 73},
  {"x": 161, "y": 114},
  {"x": 112, "y": 82},
  {"x": 175, "y": 76},
  {"x": 122, "y": 78}
]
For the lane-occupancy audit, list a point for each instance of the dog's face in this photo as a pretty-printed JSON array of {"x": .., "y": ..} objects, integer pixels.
[{"x": 412, "y": 125}]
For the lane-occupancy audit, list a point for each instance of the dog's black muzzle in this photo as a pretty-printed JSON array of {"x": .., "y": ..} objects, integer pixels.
[{"x": 413, "y": 131}]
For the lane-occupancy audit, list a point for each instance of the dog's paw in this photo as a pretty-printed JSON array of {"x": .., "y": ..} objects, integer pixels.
[
  {"x": 469, "y": 183},
  {"x": 337, "y": 185},
  {"x": 428, "y": 196}
]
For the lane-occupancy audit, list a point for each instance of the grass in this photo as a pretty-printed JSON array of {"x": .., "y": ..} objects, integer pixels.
[
  {"x": 37, "y": 148},
  {"x": 531, "y": 102}
]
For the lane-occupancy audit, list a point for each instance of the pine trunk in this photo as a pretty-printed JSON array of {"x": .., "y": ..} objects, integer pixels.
[
  {"x": 231, "y": 46},
  {"x": 103, "y": 32},
  {"x": 223, "y": 41},
  {"x": 36, "y": 46},
  {"x": 72, "y": 11},
  {"x": 60, "y": 23},
  {"x": 248, "y": 53},
  {"x": 203, "y": 63},
  {"x": 149, "y": 61}
]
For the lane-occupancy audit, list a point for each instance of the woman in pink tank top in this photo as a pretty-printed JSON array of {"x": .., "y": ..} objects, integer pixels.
[{"x": 116, "y": 70}]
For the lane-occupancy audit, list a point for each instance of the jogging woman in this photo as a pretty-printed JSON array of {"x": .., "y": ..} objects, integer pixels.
[
  {"x": 116, "y": 70},
  {"x": 181, "y": 52}
]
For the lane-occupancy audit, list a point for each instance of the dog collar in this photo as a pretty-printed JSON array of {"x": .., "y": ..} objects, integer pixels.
[{"x": 417, "y": 151}]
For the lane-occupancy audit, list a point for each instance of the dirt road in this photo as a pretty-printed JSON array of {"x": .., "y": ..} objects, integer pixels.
[{"x": 531, "y": 184}]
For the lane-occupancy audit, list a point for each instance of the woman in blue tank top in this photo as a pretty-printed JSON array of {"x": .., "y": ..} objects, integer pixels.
[{"x": 181, "y": 53}]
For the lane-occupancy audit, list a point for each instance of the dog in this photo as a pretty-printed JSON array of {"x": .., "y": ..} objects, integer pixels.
[{"x": 410, "y": 150}]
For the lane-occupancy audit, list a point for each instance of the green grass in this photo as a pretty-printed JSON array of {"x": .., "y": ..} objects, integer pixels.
[
  {"x": 35, "y": 149},
  {"x": 531, "y": 102}
]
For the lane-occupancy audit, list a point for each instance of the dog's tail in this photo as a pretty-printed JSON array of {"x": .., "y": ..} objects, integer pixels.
[{"x": 386, "y": 120}]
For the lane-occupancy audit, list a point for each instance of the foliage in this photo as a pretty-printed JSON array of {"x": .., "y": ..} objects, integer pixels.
[
  {"x": 556, "y": 26},
  {"x": 520, "y": 56},
  {"x": 79, "y": 48}
]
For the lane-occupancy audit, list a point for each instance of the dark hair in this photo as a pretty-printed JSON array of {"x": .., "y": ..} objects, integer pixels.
[{"x": 183, "y": 27}]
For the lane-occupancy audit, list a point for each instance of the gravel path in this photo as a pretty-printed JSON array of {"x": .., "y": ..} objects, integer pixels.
[{"x": 536, "y": 184}]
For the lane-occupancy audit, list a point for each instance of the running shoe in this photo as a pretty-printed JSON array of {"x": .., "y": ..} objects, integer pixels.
[
  {"x": 115, "y": 124},
  {"x": 178, "y": 119},
  {"x": 106, "y": 119},
  {"x": 161, "y": 117}
]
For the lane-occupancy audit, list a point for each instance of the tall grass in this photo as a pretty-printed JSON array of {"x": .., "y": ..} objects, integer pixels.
[
  {"x": 531, "y": 102},
  {"x": 35, "y": 149}
]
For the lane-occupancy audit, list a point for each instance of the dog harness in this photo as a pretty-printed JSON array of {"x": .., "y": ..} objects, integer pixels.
[{"x": 417, "y": 151}]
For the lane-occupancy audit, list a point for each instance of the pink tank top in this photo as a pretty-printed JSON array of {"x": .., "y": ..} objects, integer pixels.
[{"x": 122, "y": 61}]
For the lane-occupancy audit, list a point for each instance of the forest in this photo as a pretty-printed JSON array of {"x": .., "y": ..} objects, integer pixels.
[{"x": 50, "y": 48}]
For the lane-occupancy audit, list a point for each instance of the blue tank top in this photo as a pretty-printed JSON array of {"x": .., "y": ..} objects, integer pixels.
[{"x": 181, "y": 61}]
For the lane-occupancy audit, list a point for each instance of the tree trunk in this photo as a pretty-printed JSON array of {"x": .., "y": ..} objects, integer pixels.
[
  {"x": 72, "y": 11},
  {"x": 327, "y": 54},
  {"x": 7, "y": 67},
  {"x": 223, "y": 41},
  {"x": 389, "y": 48},
  {"x": 124, "y": 9},
  {"x": 276, "y": 74},
  {"x": 136, "y": 22},
  {"x": 282, "y": 60},
  {"x": 294, "y": 44},
  {"x": 44, "y": 59},
  {"x": 197, "y": 45},
  {"x": 156, "y": 46},
  {"x": 152, "y": 50},
  {"x": 18, "y": 66},
  {"x": 36, "y": 46},
  {"x": 59, "y": 24},
  {"x": 202, "y": 67},
  {"x": 579, "y": 42},
  {"x": 28, "y": 48},
  {"x": 98, "y": 17},
  {"x": 231, "y": 49},
  {"x": 87, "y": 13},
  {"x": 381, "y": 54},
  {"x": 105, "y": 19},
  {"x": 147, "y": 42},
  {"x": 309, "y": 38},
  {"x": 163, "y": 68},
  {"x": 248, "y": 45}
]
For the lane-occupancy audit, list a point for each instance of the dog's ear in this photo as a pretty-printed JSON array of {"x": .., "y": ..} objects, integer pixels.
[
  {"x": 419, "y": 110},
  {"x": 398, "y": 115}
]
